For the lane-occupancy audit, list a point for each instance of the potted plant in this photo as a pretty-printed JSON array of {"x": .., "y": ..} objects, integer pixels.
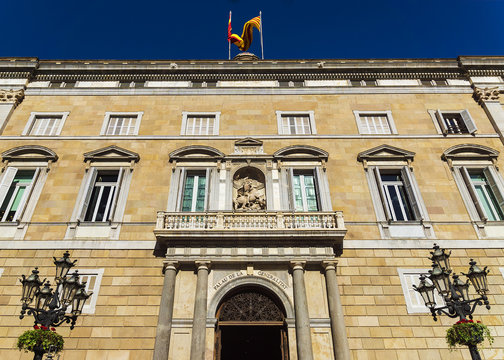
[
  {"x": 468, "y": 333},
  {"x": 40, "y": 340}
]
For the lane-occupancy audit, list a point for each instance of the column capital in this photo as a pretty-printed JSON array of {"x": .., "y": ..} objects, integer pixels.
[
  {"x": 329, "y": 264},
  {"x": 486, "y": 94},
  {"x": 297, "y": 264},
  {"x": 202, "y": 264},
  {"x": 170, "y": 265},
  {"x": 11, "y": 96}
]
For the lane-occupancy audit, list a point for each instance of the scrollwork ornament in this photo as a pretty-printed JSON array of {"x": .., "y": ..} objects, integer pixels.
[
  {"x": 486, "y": 94},
  {"x": 11, "y": 96}
]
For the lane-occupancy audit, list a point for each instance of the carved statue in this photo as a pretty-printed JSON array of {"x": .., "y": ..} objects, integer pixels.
[{"x": 250, "y": 194}]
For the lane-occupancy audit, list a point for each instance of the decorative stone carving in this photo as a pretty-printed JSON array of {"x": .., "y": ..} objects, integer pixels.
[
  {"x": 249, "y": 190},
  {"x": 11, "y": 96},
  {"x": 248, "y": 146},
  {"x": 486, "y": 94}
]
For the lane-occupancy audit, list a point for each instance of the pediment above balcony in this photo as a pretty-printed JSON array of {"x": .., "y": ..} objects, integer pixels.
[{"x": 248, "y": 146}]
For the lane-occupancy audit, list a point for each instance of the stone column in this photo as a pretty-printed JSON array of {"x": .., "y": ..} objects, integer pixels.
[
  {"x": 303, "y": 333},
  {"x": 163, "y": 332},
  {"x": 339, "y": 336},
  {"x": 200, "y": 312},
  {"x": 488, "y": 98}
]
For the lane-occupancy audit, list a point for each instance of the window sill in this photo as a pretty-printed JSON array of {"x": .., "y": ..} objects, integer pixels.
[{"x": 406, "y": 230}]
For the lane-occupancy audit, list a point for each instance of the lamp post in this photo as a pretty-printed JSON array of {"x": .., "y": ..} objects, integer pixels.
[
  {"x": 455, "y": 292},
  {"x": 50, "y": 305}
]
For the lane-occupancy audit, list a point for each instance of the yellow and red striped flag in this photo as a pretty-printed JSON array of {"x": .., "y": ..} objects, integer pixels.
[{"x": 245, "y": 40}]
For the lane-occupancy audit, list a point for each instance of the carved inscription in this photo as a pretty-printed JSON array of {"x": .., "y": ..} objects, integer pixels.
[
  {"x": 272, "y": 278},
  {"x": 228, "y": 278}
]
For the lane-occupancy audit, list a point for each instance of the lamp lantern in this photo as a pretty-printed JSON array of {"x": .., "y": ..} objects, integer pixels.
[
  {"x": 31, "y": 284},
  {"x": 478, "y": 277},
  {"x": 63, "y": 265},
  {"x": 426, "y": 290}
]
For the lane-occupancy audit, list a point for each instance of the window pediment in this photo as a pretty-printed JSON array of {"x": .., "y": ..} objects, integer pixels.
[
  {"x": 29, "y": 153},
  {"x": 470, "y": 152},
  {"x": 385, "y": 153},
  {"x": 301, "y": 151},
  {"x": 196, "y": 152},
  {"x": 111, "y": 153}
]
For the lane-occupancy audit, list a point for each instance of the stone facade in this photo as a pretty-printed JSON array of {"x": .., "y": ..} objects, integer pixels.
[{"x": 334, "y": 272}]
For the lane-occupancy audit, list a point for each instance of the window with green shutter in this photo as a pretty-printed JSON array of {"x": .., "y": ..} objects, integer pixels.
[
  {"x": 16, "y": 195},
  {"x": 193, "y": 198},
  {"x": 305, "y": 191}
]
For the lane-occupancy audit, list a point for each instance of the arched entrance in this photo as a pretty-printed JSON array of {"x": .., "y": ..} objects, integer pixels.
[{"x": 250, "y": 326}]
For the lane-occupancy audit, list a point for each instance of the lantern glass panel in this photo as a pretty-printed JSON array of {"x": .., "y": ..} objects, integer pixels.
[{"x": 69, "y": 288}]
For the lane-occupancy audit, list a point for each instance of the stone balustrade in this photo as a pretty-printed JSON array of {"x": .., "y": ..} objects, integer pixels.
[{"x": 236, "y": 221}]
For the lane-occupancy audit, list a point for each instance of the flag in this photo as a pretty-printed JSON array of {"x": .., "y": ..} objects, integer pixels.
[{"x": 245, "y": 40}]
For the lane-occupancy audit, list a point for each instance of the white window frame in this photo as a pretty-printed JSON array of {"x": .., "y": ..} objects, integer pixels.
[
  {"x": 187, "y": 114},
  {"x": 90, "y": 306},
  {"x": 440, "y": 125},
  {"x": 5, "y": 183},
  {"x": 416, "y": 305},
  {"x": 411, "y": 189},
  {"x": 108, "y": 115},
  {"x": 311, "y": 115},
  {"x": 1, "y": 272},
  {"x": 468, "y": 192},
  {"x": 113, "y": 196},
  {"x": 33, "y": 116},
  {"x": 386, "y": 113}
]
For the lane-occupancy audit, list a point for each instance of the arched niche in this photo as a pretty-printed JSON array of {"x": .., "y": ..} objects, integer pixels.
[{"x": 249, "y": 189}]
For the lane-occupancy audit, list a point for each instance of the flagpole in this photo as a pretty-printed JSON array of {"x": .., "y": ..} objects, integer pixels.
[
  {"x": 262, "y": 45},
  {"x": 229, "y": 40}
]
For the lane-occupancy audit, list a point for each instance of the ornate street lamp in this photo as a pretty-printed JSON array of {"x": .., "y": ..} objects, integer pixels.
[
  {"x": 455, "y": 291},
  {"x": 50, "y": 305}
]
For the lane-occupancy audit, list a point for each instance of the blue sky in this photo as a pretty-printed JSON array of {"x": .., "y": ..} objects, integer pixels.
[{"x": 293, "y": 29}]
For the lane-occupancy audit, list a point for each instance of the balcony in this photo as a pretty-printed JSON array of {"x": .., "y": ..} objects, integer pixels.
[{"x": 252, "y": 228}]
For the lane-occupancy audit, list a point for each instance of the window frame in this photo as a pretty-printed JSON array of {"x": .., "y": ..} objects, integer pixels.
[
  {"x": 311, "y": 116},
  {"x": 109, "y": 114},
  {"x": 386, "y": 113},
  {"x": 9, "y": 174},
  {"x": 441, "y": 128},
  {"x": 187, "y": 114},
  {"x": 33, "y": 116}
]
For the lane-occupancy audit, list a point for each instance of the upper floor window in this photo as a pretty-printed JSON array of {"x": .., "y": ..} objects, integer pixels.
[
  {"x": 45, "y": 123},
  {"x": 125, "y": 123},
  {"x": 26, "y": 170},
  {"x": 454, "y": 122},
  {"x": 193, "y": 198},
  {"x": 101, "y": 201},
  {"x": 15, "y": 190},
  {"x": 374, "y": 122},
  {"x": 397, "y": 200},
  {"x": 200, "y": 123},
  {"x": 103, "y": 195},
  {"x": 296, "y": 123},
  {"x": 479, "y": 182},
  {"x": 305, "y": 191}
]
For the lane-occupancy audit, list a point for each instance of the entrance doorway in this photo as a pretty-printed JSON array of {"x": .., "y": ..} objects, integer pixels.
[{"x": 250, "y": 326}]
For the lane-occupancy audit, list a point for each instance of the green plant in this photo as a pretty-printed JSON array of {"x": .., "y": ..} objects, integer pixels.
[
  {"x": 40, "y": 337},
  {"x": 468, "y": 332}
]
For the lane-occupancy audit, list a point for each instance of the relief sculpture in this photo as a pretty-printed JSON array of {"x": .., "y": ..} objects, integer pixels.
[{"x": 249, "y": 193}]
